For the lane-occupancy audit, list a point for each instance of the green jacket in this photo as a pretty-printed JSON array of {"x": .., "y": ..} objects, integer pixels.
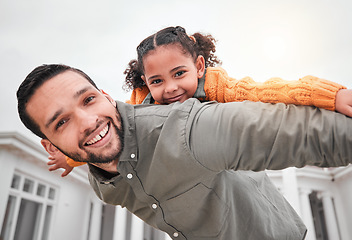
[{"x": 181, "y": 169}]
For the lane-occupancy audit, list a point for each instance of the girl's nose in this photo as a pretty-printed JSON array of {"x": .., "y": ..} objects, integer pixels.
[{"x": 171, "y": 86}]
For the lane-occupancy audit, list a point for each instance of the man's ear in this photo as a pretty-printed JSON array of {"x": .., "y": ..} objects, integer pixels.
[
  {"x": 200, "y": 65},
  {"x": 108, "y": 97},
  {"x": 50, "y": 148}
]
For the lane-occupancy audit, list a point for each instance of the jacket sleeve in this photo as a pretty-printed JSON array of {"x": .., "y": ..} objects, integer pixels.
[
  {"x": 258, "y": 136},
  {"x": 309, "y": 90}
]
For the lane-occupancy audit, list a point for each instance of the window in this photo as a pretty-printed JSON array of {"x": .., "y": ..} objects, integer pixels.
[
  {"x": 29, "y": 209},
  {"x": 151, "y": 233},
  {"x": 128, "y": 225},
  {"x": 90, "y": 219},
  {"x": 107, "y": 222},
  {"x": 318, "y": 216}
]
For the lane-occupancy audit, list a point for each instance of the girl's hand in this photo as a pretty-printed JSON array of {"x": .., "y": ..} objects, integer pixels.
[
  {"x": 344, "y": 102},
  {"x": 59, "y": 163}
]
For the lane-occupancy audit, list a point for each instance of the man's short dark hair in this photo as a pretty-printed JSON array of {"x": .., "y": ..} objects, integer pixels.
[{"x": 32, "y": 82}]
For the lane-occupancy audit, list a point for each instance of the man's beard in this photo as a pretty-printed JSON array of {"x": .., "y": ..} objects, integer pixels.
[{"x": 98, "y": 158}]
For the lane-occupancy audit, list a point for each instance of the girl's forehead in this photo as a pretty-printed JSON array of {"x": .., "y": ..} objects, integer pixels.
[{"x": 173, "y": 48}]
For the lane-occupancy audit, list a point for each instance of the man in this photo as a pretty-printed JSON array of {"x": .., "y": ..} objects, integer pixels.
[{"x": 179, "y": 167}]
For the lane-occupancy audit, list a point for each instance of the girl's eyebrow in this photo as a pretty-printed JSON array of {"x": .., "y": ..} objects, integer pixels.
[
  {"x": 177, "y": 68},
  {"x": 172, "y": 70},
  {"x": 152, "y": 77}
]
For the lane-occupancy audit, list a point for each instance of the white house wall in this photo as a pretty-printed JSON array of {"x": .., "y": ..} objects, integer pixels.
[
  {"x": 335, "y": 183},
  {"x": 343, "y": 200},
  {"x": 74, "y": 195}
]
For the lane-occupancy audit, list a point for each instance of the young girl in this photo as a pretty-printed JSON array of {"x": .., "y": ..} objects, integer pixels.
[{"x": 173, "y": 66}]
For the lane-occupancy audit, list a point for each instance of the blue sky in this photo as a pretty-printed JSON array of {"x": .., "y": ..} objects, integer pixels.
[{"x": 257, "y": 38}]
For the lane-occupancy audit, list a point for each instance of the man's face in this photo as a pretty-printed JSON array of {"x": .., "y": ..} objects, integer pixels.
[{"x": 77, "y": 118}]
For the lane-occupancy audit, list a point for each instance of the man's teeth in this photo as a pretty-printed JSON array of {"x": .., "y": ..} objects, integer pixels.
[{"x": 99, "y": 136}]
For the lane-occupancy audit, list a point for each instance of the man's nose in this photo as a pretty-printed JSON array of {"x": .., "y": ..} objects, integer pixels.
[{"x": 86, "y": 121}]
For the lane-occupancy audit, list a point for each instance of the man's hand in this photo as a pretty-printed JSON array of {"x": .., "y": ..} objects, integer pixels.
[
  {"x": 59, "y": 163},
  {"x": 344, "y": 102}
]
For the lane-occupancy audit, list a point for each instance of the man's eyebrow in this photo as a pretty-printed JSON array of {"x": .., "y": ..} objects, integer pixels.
[
  {"x": 58, "y": 112},
  {"x": 82, "y": 91},
  {"x": 53, "y": 118}
]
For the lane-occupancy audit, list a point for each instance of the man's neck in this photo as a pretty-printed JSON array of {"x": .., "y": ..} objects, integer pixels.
[{"x": 110, "y": 167}]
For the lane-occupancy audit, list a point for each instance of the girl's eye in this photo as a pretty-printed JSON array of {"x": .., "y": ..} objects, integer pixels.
[
  {"x": 180, "y": 73},
  {"x": 156, "y": 81},
  {"x": 88, "y": 100}
]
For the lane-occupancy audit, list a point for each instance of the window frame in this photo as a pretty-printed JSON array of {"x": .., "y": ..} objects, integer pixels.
[{"x": 45, "y": 203}]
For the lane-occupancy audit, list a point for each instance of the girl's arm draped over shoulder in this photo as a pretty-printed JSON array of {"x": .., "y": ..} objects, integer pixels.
[{"x": 310, "y": 91}]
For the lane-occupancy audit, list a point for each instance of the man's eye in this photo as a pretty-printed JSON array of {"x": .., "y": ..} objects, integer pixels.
[
  {"x": 88, "y": 100},
  {"x": 60, "y": 123},
  {"x": 180, "y": 73}
]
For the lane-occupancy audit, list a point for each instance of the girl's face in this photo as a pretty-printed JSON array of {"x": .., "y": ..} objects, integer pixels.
[{"x": 171, "y": 74}]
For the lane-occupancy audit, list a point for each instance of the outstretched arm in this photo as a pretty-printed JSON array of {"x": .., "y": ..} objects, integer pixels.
[
  {"x": 309, "y": 91},
  {"x": 258, "y": 136}
]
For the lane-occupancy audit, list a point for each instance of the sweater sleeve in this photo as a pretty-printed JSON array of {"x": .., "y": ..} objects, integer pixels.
[
  {"x": 308, "y": 90},
  {"x": 138, "y": 95},
  {"x": 73, "y": 163}
]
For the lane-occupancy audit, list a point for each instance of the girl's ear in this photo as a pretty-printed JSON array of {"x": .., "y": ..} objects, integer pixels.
[
  {"x": 108, "y": 97},
  {"x": 143, "y": 78},
  {"x": 200, "y": 65},
  {"x": 50, "y": 148}
]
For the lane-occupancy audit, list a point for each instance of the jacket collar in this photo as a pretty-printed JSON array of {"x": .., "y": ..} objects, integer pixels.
[{"x": 129, "y": 152}]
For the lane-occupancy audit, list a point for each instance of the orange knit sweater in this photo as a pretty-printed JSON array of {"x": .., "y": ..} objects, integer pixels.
[{"x": 309, "y": 90}]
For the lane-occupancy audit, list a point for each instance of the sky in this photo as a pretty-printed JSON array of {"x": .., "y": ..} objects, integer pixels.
[{"x": 256, "y": 38}]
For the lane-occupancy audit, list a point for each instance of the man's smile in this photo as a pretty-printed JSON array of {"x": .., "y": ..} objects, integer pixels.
[{"x": 99, "y": 136}]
